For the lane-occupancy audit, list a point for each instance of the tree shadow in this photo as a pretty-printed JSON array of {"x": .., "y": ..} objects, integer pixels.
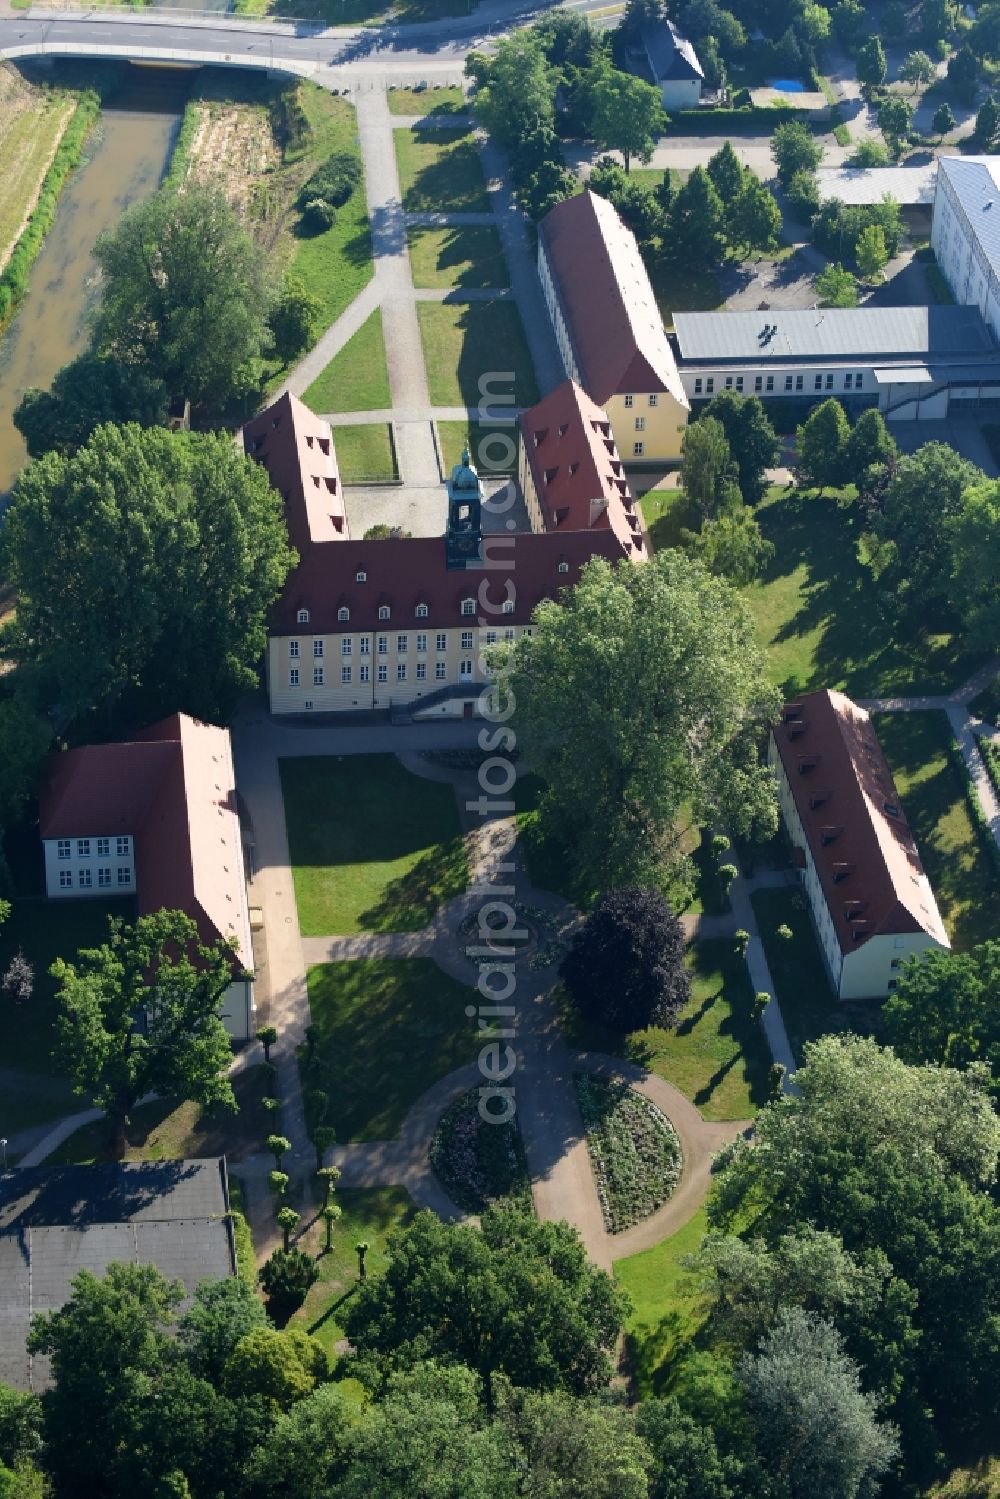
[
  {"x": 412, "y": 900},
  {"x": 452, "y": 179}
]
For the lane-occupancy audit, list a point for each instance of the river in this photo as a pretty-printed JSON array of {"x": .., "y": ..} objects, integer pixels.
[{"x": 125, "y": 159}]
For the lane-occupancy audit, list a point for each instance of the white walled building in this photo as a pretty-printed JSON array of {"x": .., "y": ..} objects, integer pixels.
[
  {"x": 673, "y": 64},
  {"x": 156, "y": 817},
  {"x": 871, "y": 902},
  {"x": 965, "y": 232},
  {"x": 913, "y": 363}
]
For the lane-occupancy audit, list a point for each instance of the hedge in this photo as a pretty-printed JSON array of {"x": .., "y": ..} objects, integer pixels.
[
  {"x": 180, "y": 155},
  {"x": 687, "y": 121},
  {"x": 14, "y": 279},
  {"x": 985, "y": 833}
]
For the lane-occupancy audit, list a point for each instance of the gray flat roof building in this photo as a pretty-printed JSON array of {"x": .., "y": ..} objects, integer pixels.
[
  {"x": 910, "y": 187},
  {"x": 56, "y": 1221},
  {"x": 832, "y": 333}
]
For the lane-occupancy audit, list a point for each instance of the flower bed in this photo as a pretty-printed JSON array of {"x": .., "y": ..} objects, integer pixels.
[
  {"x": 477, "y": 1162},
  {"x": 634, "y": 1150}
]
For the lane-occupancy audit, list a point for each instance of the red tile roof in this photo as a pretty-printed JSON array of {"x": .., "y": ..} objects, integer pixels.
[
  {"x": 861, "y": 845},
  {"x": 403, "y": 572},
  {"x": 607, "y": 301},
  {"x": 579, "y": 477},
  {"x": 296, "y": 448},
  {"x": 173, "y": 790}
]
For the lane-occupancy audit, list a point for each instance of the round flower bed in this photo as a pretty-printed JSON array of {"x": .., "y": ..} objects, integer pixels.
[
  {"x": 634, "y": 1150},
  {"x": 522, "y": 941},
  {"x": 542, "y": 944},
  {"x": 477, "y": 1162}
]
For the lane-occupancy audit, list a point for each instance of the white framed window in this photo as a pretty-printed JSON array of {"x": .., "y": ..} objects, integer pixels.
[
  {"x": 829, "y": 382},
  {"x": 788, "y": 382},
  {"x": 848, "y": 381},
  {"x": 421, "y": 671},
  {"x": 402, "y": 643},
  {"x": 364, "y": 672},
  {"x": 709, "y": 384},
  {"x": 508, "y": 635},
  {"x": 382, "y": 645},
  {"x": 103, "y": 847},
  {"x": 401, "y": 672},
  {"x": 508, "y": 606},
  {"x": 345, "y": 675},
  {"x": 360, "y": 577},
  {"x": 818, "y": 383},
  {"x": 564, "y": 567},
  {"x": 467, "y": 640},
  {"x": 383, "y": 611},
  {"x": 439, "y": 671},
  {"x": 308, "y": 704},
  {"x": 365, "y": 645},
  {"x": 421, "y": 611},
  {"x": 317, "y": 676},
  {"x": 697, "y": 385},
  {"x": 465, "y": 670},
  {"x": 317, "y": 649},
  {"x": 640, "y": 424},
  {"x": 124, "y": 875},
  {"x": 123, "y": 846},
  {"x": 468, "y": 606},
  {"x": 383, "y": 673},
  {"x": 343, "y": 614},
  {"x": 293, "y": 676},
  {"x": 739, "y": 382},
  {"x": 629, "y": 400},
  {"x": 65, "y": 879},
  {"x": 293, "y": 649},
  {"x": 83, "y": 848},
  {"x": 64, "y": 848},
  {"x": 770, "y": 382},
  {"x": 653, "y": 398},
  {"x": 729, "y": 382},
  {"x": 441, "y": 641},
  {"x": 346, "y": 646},
  {"x": 85, "y": 878},
  {"x": 491, "y": 637},
  {"x": 421, "y": 641},
  {"x": 104, "y": 878},
  {"x": 798, "y": 382},
  {"x": 858, "y": 380},
  {"x": 638, "y": 448},
  {"x": 758, "y": 382},
  {"x": 303, "y": 616}
]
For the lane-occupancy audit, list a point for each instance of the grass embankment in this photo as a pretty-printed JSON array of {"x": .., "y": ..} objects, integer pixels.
[
  {"x": 466, "y": 255},
  {"x": 465, "y": 344},
  {"x": 259, "y": 141},
  {"x": 372, "y": 848},
  {"x": 387, "y": 1029},
  {"x": 24, "y": 150},
  {"x": 439, "y": 171},
  {"x": 357, "y": 377},
  {"x": 818, "y": 610}
]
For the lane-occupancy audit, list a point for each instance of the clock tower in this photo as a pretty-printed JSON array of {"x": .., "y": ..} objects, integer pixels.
[{"x": 464, "y": 538}]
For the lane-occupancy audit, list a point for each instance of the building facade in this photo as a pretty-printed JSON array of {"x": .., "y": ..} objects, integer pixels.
[
  {"x": 403, "y": 625},
  {"x": 965, "y": 232},
  {"x": 912, "y": 363},
  {"x": 673, "y": 65},
  {"x": 156, "y": 818},
  {"x": 609, "y": 329},
  {"x": 871, "y": 902}
]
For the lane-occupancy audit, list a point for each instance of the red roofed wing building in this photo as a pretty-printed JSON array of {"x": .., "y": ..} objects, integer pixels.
[
  {"x": 871, "y": 901},
  {"x": 156, "y": 818},
  {"x": 399, "y": 624},
  {"x": 609, "y": 328}
]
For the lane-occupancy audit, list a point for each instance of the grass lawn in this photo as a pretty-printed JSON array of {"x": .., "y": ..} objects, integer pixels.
[
  {"x": 356, "y": 379},
  {"x": 388, "y": 1029},
  {"x": 668, "y": 1310},
  {"x": 426, "y": 101},
  {"x": 367, "y": 1215},
  {"x": 366, "y": 454},
  {"x": 818, "y": 609},
  {"x": 439, "y": 171},
  {"x": 651, "y": 177},
  {"x": 803, "y": 992},
  {"x": 336, "y": 264},
  {"x": 684, "y": 288},
  {"x": 32, "y": 121},
  {"x": 668, "y": 512},
  {"x": 166, "y": 1132},
  {"x": 373, "y": 848},
  {"x": 716, "y": 1055},
  {"x": 464, "y": 343},
  {"x": 464, "y": 255},
  {"x": 933, "y": 791},
  {"x": 987, "y": 704},
  {"x": 492, "y": 445}
]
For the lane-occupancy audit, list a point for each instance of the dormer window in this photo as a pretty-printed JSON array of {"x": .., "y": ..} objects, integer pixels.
[
  {"x": 303, "y": 616},
  {"x": 468, "y": 606},
  {"x": 360, "y": 577},
  {"x": 421, "y": 611},
  {"x": 343, "y": 614},
  {"x": 383, "y": 611},
  {"x": 564, "y": 567},
  {"x": 508, "y": 606}
]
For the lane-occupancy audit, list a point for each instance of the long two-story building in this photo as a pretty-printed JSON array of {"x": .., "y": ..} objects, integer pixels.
[
  {"x": 965, "y": 231},
  {"x": 871, "y": 901}
]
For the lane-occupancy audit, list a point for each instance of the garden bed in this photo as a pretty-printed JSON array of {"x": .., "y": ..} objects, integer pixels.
[
  {"x": 540, "y": 941},
  {"x": 478, "y": 1162},
  {"x": 634, "y": 1151}
]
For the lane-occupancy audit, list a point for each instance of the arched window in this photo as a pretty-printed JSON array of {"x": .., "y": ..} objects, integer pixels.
[{"x": 303, "y": 616}]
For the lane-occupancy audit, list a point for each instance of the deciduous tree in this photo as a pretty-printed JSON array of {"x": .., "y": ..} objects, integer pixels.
[
  {"x": 821, "y": 451},
  {"x": 894, "y": 117},
  {"x": 943, "y": 121},
  {"x": 973, "y": 534},
  {"x": 697, "y": 219},
  {"x": 917, "y": 69},
  {"x": 756, "y": 217},
  {"x": 223, "y": 1312},
  {"x": 295, "y": 321},
  {"x": 944, "y": 1009},
  {"x": 870, "y": 445},
  {"x": 753, "y": 442},
  {"x": 871, "y": 64},
  {"x": 836, "y": 287},
  {"x": 140, "y": 1014},
  {"x": 626, "y": 115},
  {"x": 625, "y": 967},
  {"x": 707, "y": 468},
  {"x": 85, "y": 394},
  {"x": 871, "y": 254},
  {"x": 795, "y": 149}
]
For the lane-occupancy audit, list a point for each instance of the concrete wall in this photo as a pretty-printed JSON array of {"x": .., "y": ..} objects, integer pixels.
[{"x": 92, "y": 866}]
